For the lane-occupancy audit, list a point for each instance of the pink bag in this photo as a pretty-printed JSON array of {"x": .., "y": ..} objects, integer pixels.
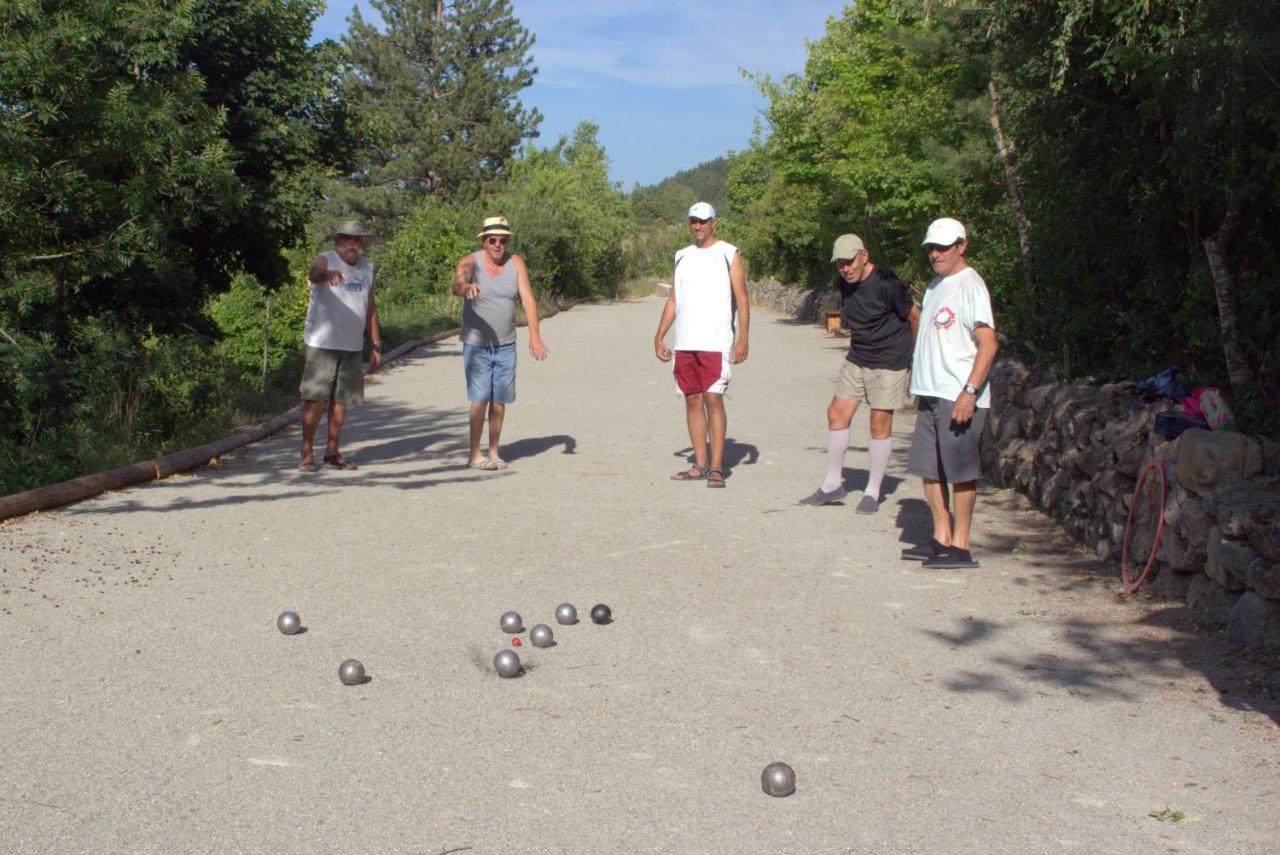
[{"x": 1207, "y": 404}]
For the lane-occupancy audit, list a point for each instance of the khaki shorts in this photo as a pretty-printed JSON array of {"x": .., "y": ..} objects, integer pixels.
[
  {"x": 333, "y": 375},
  {"x": 878, "y": 388}
]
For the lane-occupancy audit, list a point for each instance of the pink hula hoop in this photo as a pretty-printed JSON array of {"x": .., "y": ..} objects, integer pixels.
[{"x": 1131, "y": 585}]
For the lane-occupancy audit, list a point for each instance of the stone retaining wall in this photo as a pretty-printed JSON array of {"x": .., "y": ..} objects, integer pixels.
[{"x": 1078, "y": 450}]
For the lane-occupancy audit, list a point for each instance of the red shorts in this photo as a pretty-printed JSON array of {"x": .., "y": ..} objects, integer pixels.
[{"x": 701, "y": 371}]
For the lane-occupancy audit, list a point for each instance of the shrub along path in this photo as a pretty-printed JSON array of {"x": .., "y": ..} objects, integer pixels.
[{"x": 150, "y": 702}]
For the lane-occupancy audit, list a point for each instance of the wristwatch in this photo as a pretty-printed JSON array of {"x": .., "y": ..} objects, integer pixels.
[{"x": 971, "y": 389}]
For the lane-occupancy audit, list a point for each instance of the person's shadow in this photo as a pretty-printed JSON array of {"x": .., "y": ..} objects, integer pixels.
[
  {"x": 735, "y": 454},
  {"x": 535, "y": 445},
  {"x": 915, "y": 521}
]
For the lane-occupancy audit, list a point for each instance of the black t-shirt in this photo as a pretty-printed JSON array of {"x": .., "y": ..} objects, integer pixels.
[{"x": 876, "y": 310}]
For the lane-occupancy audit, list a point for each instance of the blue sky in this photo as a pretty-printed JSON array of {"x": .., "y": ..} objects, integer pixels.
[{"x": 660, "y": 78}]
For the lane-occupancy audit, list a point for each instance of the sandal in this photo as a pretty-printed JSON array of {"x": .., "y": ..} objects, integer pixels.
[
  {"x": 693, "y": 473},
  {"x": 308, "y": 465},
  {"x": 337, "y": 461},
  {"x": 715, "y": 478}
]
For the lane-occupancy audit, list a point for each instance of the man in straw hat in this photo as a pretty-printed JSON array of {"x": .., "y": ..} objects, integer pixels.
[
  {"x": 490, "y": 281},
  {"x": 340, "y": 310},
  {"x": 708, "y": 285}
]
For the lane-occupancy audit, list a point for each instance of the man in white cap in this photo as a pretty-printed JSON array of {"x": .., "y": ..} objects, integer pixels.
[
  {"x": 879, "y": 311},
  {"x": 953, "y": 356},
  {"x": 708, "y": 285},
  {"x": 490, "y": 281},
  {"x": 340, "y": 310}
]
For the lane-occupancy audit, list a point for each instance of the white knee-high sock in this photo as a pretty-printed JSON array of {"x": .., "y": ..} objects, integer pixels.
[
  {"x": 837, "y": 444},
  {"x": 878, "y": 454}
]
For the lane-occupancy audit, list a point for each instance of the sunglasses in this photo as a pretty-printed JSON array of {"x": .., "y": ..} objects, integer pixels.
[
  {"x": 934, "y": 247},
  {"x": 497, "y": 241},
  {"x": 698, "y": 221}
]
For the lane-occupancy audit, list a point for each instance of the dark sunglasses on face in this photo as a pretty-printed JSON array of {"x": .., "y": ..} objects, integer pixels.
[
  {"x": 496, "y": 241},
  {"x": 698, "y": 221},
  {"x": 933, "y": 247}
]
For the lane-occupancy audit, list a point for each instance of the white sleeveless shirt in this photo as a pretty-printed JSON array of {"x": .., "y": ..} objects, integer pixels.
[
  {"x": 337, "y": 314},
  {"x": 704, "y": 297}
]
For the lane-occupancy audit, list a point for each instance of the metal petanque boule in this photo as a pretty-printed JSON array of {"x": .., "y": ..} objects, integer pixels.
[
  {"x": 351, "y": 673},
  {"x": 566, "y": 614},
  {"x": 506, "y": 663},
  {"x": 289, "y": 623},
  {"x": 511, "y": 623},
  {"x": 540, "y": 636},
  {"x": 601, "y": 614},
  {"x": 778, "y": 779}
]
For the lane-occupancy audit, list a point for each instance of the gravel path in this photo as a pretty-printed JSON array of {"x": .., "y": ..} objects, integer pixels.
[{"x": 151, "y": 705}]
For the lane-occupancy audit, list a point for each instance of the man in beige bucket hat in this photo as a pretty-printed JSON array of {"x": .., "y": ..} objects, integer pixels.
[{"x": 341, "y": 309}]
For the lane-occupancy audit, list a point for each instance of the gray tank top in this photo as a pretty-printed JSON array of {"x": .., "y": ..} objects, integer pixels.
[{"x": 490, "y": 319}]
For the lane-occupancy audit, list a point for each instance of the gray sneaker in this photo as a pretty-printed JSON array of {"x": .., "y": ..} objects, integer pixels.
[
  {"x": 821, "y": 498},
  {"x": 868, "y": 505}
]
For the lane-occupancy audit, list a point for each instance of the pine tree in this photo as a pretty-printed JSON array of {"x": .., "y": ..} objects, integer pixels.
[{"x": 438, "y": 91}]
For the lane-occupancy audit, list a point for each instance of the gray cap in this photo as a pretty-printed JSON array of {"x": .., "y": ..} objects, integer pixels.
[{"x": 847, "y": 247}]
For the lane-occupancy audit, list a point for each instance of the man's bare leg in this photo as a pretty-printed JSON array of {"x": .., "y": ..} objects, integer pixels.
[
  {"x": 717, "y": 425},
  {"x": 935, "y": 493},
  {"x": 311, "y": 412},
  {"x": 337, "y": 415},
  {"x": 964, "y": 496},
  {"x": 696, "y": 416},
  {"x": 476, "y": 418},
  {"x": 497, "y": 412}
]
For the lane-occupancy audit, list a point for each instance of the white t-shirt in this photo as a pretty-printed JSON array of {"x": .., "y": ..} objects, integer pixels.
[
  {"x": 704, "y": 297},
  {"x": 337, "y": 314},
  {"x": 945, "y": 348}
]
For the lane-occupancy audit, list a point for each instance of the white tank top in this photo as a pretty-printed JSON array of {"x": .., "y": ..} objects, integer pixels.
[
  {"x": 336, "y": 314},
  {"x": 704, "y": 297}
]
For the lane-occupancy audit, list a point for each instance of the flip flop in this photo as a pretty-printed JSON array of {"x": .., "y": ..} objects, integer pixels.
[
  {"x": 337, "y": 461},
  {"x": 308, "y": 466},
  {"x": 688, "y": 474},
  {"x": 482, "y": 463}
]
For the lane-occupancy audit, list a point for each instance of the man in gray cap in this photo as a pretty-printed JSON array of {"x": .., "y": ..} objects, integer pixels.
[
  {"x": 953, "y": 357},
  {"x": 879, "y": 311},
  {"x": 340, "y": 310}
]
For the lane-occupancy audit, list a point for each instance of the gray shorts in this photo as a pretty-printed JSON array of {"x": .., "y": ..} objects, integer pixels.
[
  {"x": 942, "y": 451},
  {"x": 878, "y": 388},
  {"x": 333, "y": 375}
]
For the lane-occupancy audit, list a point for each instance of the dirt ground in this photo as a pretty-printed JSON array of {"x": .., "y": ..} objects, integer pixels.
[{"x": 150, "y": 703}]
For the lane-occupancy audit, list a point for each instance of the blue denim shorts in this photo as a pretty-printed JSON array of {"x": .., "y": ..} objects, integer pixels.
[{"x": 491, "y": 372}]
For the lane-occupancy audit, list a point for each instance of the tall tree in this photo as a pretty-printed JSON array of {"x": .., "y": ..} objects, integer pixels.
[
  {"x": 885, "y": 131},
  {"x": 1148, "y": 135},
  {"x": 438, "y": 87}
]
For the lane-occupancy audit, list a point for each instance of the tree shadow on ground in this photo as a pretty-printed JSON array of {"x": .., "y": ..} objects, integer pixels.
[
  {"x": 1106, "y": 645},
  {"x": 374, "y": 434}
]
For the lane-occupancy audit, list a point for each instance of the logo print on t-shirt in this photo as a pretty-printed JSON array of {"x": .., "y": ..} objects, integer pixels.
[{"x": 944, "y": 318}]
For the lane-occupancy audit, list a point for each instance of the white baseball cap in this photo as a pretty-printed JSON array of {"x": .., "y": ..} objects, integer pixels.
[
  {"x": 701, "y": 211},
  {"x": 944, "y": 232}
]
